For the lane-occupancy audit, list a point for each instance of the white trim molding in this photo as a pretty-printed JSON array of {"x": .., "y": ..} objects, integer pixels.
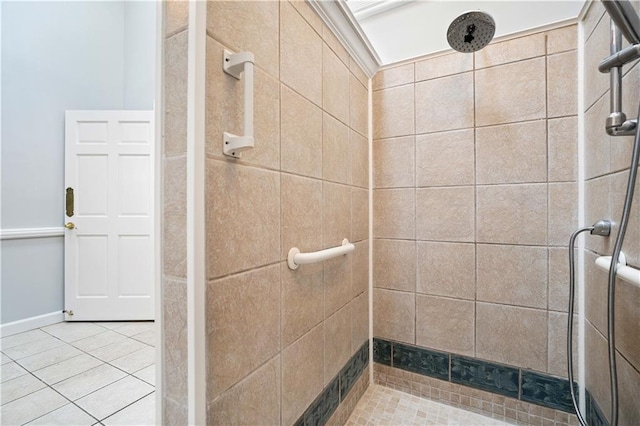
[
  {"x": 342, "y": 23},
  {"x": 374, "y": 8},
  {"x": 32, "y": 323},
  {"x": 25, "y": 233}
]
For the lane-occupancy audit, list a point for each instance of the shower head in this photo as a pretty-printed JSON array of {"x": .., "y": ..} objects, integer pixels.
[
  {"x": 471, "y": 31},
  {"x": 625, "y": 17}
]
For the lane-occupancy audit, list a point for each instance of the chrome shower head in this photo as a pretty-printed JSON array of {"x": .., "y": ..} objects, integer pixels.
[
  {"x": 626, "y": 18},
  {"x": 471, "y": 31}
]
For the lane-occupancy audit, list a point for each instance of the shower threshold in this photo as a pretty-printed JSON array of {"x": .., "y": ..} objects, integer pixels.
[{"x": 385, "y": 406}]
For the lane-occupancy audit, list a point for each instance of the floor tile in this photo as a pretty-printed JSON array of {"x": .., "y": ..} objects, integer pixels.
[
  {"x": 19, "y": 387},
  {"x": 111, "y": 325},
  {"x": 108, "y": 400},
  {"x": 136, "y": 360},
  {"x": 43, "y": 343},
  {"x": 5, "y": 359},
  {"x": 90, "y": 381},
  {"x": 22, "y": 338},
  {"x": 11, "y": 370},
  {"x": 64, "y": 416},
  {"x": 142, "y": 412},
  {"x": 148, "y": 337},
  {"x": 50, "y": 357},
  {"x": 117, "y": 349},
  {"x": 133, "y": 328},
  {"x": 98, "y": 341},
  {"x": 68, "y": 368},
  {"x": 148, "y": 374},
  {"x": 31, "y": 407},
  {"x": 72, "y": 331}
]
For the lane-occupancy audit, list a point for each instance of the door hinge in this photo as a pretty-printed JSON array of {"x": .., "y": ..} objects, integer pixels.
[{"x": 68, "y": 312}]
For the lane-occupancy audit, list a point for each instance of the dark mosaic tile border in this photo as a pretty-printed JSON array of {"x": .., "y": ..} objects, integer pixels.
[
  {"x": 320, "y": 410},
  {"x": 537, "y": 388},
  {"x": 594, "y": 415}
]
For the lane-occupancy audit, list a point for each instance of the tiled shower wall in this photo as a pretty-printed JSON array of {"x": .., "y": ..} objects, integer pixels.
[
  {"x": 607, "y": 161},
  {"x": 277, "y": 337},
  {"x": 174, "y": 215},
  {"x": 475, "y": 197}
]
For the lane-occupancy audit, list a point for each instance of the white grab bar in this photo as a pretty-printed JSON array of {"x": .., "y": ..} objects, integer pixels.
[
  {"x": 296, "y": 258},
  {"x": 624, "y": 272},
  {"x": 235, "y": 64}
]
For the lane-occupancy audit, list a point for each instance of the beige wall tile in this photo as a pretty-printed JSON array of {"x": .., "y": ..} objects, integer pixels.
[
  {"x": 445, "y": 324},
  {"x": 302, "y": 300},
  {"x": 174, "y": 221},
  {"x": 558, "y": 344},
  {"x": 308, "y": 14},
  {"x": 393, "y": 112},
  {"x": 359, "y": 160},
  {"x": 562, "y": 39},
  {"x": 301, "y": 143},
  {"x": 174, "y": 413},
  {"x": 359, "y": 214},
  {"x": 332, "y": 41},
  {"x": 393, "y": 213},
  {"x": 513, "y": 275},
  {"x": 595, "y": 49},
  {"x": 359, "y": 321},
  {"x": 512, "y": 335},
  {"x": 562, "y": 81},
  {"x": 513, "y": 153},
  {"x": 243, "y": 225},
  {"x": 394, "y": 315},
  {"x": 446, "y": 269},
  {"x": 358, "y": 106},
  {"x": 301, "y": 213},
  {"x": 394, "y": 76},
  {"x": 597, "y": 142},
  {"x": 595, "y": 293},
  {"x": 394, "y": 162},
  {"x": 337, "y": 343},
  {"x": 175, "y": 93},
  {"x": 511, "y": 50},
  {"x": 174, "y": 348},
  {"x": 336, "y": 214},
  {"x": 444, "y": 104},
  {"x": 440, "y": 66},
  {"x": 563, "y": 212},
  {"x": 336, "y": 161},
  {"x": 360, "y": 265},
  {"x": 597, "y": 192},
  {"x": 243, "y": 317},
  {"x": 499, "y": 92},
  {"x": 627, "y": 320},
  {"x": 299, "y": 40},
  {"x": 513, "y": 214},
  {"x": 337, "y": 284},
  {"x": 176, "y": 16},
  {"x": 596, "y": 371},
  {"x": 563, "y": 149},
  {"x": 255, "y": 400},
  {"x": 629, "y": 379},
  {"x": 302, "y": 374},
  {"x": 444, "y": 159},
  {"x": 335, "y": 83},
  {"x": 559, "y": 280},
  {"x": 394, "y": 264},
  {"x": 357, "y": 72},
  {"x": 445, "y": 214},
  {"x": 591, "y": 19},
  {"x": 247, "y": 25}
]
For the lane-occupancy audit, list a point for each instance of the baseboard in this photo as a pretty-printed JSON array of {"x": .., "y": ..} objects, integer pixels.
[{"x": 27, "y": 324}]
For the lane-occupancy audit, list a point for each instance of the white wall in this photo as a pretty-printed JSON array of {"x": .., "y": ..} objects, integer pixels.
[
  {"x": 139, "y": 54},
  {"x": 56, "y": 56}
]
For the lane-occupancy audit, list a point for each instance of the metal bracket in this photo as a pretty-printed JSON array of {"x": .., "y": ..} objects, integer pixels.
[{"x": 236, "y": 64}]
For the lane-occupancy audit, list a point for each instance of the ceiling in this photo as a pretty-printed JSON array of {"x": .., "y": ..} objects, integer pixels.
[{"x": 404, "y": 29}]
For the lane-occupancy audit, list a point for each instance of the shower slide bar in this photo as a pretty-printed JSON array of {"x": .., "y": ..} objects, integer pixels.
[
  {"x": 624, "y": 272},
  {"x": 296, "y": 258}
]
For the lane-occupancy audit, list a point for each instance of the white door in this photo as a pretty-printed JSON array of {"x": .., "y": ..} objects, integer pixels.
[{"x": 109, "y": 165}]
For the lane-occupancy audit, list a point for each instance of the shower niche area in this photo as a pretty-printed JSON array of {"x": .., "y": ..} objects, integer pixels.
[{"x": 457, "y": 177}]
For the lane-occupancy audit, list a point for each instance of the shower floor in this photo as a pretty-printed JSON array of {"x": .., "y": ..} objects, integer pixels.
[{"x": 384, "y": 406}]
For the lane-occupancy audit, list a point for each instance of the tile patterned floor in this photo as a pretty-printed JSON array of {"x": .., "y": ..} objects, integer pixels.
[
  {"x": 79, "y": 373},
  {"x": 384, "y": 406}
]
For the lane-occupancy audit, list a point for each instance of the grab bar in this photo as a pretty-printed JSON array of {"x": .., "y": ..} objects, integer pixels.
[
  {"x": 296, "y": 258},
  {"x": 624, "y": 272},
  {"x": 235, "y": 64}
]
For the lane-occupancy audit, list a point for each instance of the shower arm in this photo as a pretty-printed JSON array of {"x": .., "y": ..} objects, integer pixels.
[{"x": 617, "y": 123}]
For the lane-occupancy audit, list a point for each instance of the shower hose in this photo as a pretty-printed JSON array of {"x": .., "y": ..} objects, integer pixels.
[{"x": 624, "y": 221}]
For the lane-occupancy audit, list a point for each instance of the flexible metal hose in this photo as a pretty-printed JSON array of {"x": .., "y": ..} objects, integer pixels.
[{"x": 572, "y": 281}]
